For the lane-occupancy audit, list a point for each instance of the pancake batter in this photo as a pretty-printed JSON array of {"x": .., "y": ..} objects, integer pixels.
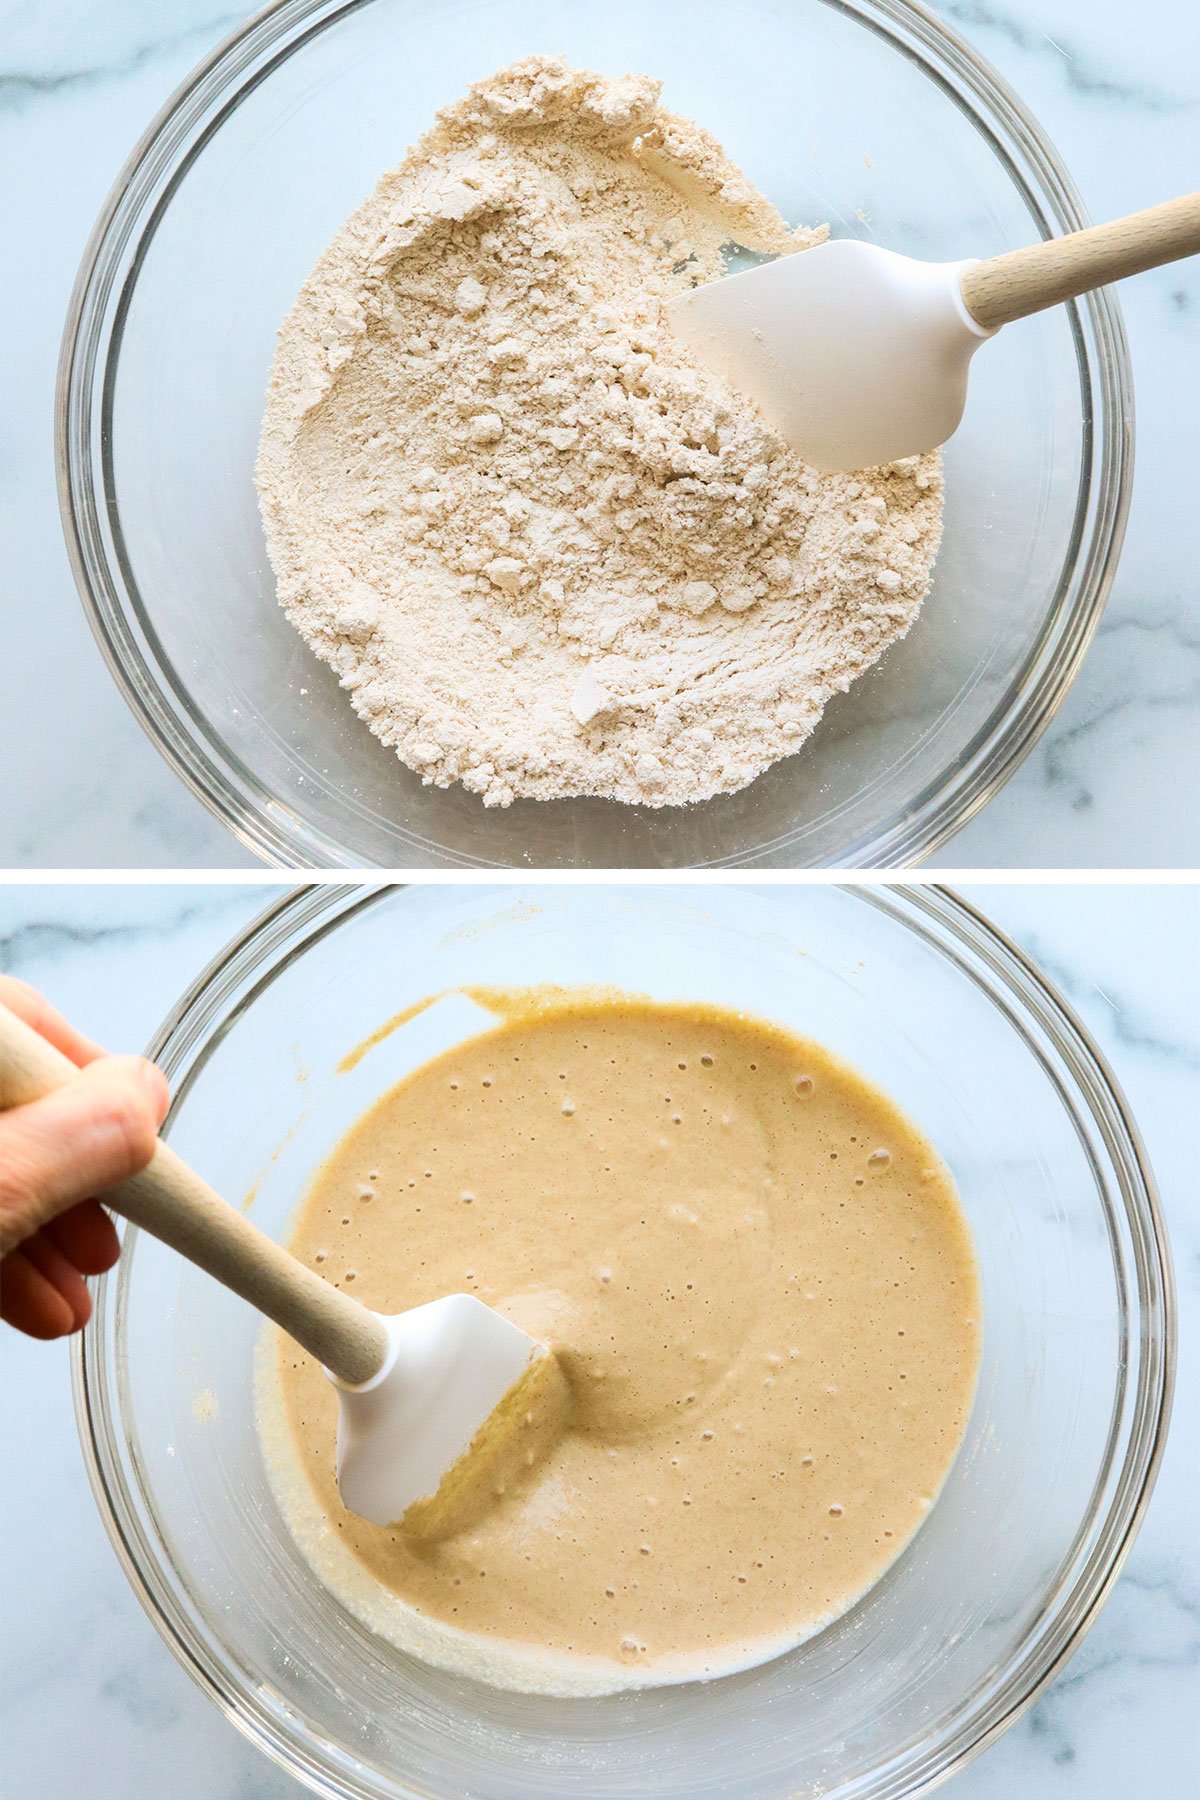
[{"x": 761, "y": 1288}]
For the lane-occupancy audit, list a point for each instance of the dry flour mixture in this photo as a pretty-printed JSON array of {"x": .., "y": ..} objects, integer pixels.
[{"x": 546, "y": 552}]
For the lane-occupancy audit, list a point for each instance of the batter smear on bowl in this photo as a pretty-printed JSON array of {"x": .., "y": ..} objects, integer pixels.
[
  {"x": 759, "y": 1284},
  {"x": 546, "y": 551}
]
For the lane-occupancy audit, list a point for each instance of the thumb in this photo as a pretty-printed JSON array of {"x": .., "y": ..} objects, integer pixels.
[{"x": 96, "y": 1130}]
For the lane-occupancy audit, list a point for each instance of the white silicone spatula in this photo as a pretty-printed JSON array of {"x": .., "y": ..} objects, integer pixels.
[
  {"x": 415, "y": 1389},
  {"x": 858, "y": 356}
]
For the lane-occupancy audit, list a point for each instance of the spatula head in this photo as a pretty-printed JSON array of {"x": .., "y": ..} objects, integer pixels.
[
  {"x": 450, "y": 1364},
  {"x": 857, "y": 356}
]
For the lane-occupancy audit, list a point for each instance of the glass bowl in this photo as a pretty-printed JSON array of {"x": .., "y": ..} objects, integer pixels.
[
  {"x": 868, "y": 113},
  {"x": 1039, "y": 1509}
]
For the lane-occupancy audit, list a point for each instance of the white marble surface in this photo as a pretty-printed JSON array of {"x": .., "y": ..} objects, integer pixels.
[
  {"x": 1120, "y": 98},
  {"x": 94, "y": 1704}
]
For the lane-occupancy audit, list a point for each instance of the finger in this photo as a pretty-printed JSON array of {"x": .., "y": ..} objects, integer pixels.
[
  {"x": 49, "y": 1261},
  {"x": 90, "y": 1134},
  {"x": 43, "y": 1261},
  {"x": 37, "y": 1012},
  {"x": 30, "y": 1302},
  {"x": 87, "y": 1237}
]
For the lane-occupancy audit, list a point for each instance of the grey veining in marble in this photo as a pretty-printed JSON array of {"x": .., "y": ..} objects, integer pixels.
[
  {"x": 78, "y": 82},
  {"x": 92, "y": 1701},
  {"x": 1111, "y": 784}
]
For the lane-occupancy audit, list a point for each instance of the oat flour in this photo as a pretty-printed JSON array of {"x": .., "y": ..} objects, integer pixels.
[{"x": 546, "y": 551}]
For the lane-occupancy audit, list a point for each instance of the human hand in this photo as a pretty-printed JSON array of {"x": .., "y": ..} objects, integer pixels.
[{"x": 55, "y": 1153}]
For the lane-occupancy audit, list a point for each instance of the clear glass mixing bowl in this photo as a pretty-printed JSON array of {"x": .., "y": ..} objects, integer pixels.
[
  {"x": 868, "y": 113},
  {"x": 1037, "y": 1514}
]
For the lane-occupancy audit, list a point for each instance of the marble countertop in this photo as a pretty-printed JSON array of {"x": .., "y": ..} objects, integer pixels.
[
  {"x": 80, "y": 78},
  {"x": 92, "y": 1701}
]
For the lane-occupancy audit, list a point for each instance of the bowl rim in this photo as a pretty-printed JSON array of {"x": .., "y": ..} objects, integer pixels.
[
  {"x": 265, "y": 823},
  {"x": 953, "y": 926}
]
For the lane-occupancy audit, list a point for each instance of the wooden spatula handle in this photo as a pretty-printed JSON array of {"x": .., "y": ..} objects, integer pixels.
[
  {"x": 1025, "y": 281},
  {"x": 172, "y": 1203}
]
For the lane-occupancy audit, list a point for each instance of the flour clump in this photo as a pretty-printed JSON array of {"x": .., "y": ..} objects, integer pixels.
[{"x": 546, "y": 552}]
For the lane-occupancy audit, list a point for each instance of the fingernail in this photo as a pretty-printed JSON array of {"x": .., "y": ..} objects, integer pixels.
[{"x": 154, "y": 1086}]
